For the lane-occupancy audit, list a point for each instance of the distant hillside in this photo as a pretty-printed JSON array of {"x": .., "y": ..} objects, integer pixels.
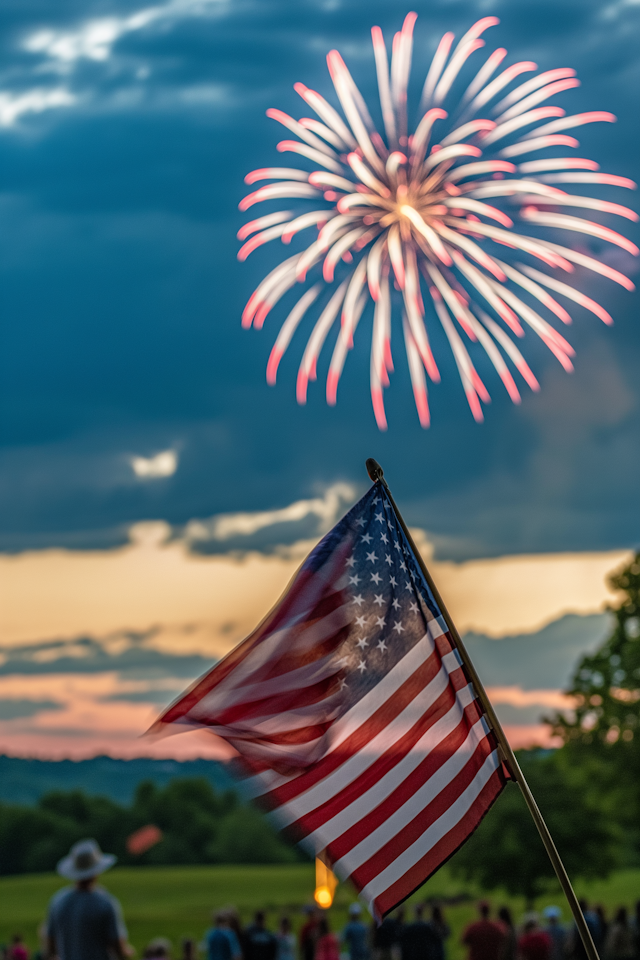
[{"x": 24, "y": 781}]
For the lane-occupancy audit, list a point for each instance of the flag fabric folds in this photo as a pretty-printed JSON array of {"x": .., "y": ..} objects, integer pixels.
[{"x": 350, "y": 708}]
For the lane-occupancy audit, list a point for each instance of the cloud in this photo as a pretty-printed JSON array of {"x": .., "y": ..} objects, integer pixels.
[
  {"x": 544, "y": 659},
  {"x": 18, "y": 708},
  {"x": 133, "y": 657},
  {"x": 163, "y": 464},
  {"x": 94, "y": 39},
  {"x": 15, "y": 105},
  {"x": 304, "y": 517}
]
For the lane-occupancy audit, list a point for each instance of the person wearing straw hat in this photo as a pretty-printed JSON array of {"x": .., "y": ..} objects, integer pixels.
[{"x": 84, "y": 921}]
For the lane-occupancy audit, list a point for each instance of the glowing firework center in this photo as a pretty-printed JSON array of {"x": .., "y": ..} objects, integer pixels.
[{"x": 414, "y": 212}]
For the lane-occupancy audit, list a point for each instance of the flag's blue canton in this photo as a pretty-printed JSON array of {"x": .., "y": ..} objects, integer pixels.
[{"x": 391, "y": 600}]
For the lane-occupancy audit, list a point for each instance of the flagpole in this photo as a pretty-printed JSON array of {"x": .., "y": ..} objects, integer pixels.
[{"x": 507, "y": 755}]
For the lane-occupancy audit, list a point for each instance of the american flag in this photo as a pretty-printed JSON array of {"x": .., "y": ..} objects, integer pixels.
[{"x": 357, "y": 725}]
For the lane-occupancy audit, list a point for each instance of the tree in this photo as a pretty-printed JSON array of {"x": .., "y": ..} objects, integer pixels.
[
  {"x": 606, "y": 685},
  {"x": 602, "y": 734},
  {"x": 506, "y": 850},
  {"x": 199, "y": 825}
]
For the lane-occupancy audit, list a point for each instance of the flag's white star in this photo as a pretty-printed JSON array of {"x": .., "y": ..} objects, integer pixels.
[
  {"x": 375, "y": 501},
  {"x": 398, "y": 627},
  {"x": 358, "y": 600},
  {"x": 355, "y": 579},
  {"x": 408, "y": 586},
  {"x": 376, "y": 578},
  {"x": 362, "y": 643},
  {"x": 359, "y": 522},
  {"x": 395, "y": 604},
  {"x": 382, "y": 646},
  {"x": 361, "y": 621},
  {"x": 380, "y": 621},
  {"x": 397, "y": 546},
  {"x": 403, "y": 566},
  {"x": 350, "y": 561},
  {"x": 393, "y": 581},
  {"x": 384, "y": 538},
  {"x": 378, "y": 600},
  {"x": 362, "y": 666},
  {"x": 388, "y": 559},
  {"x": 372, "y": 557},
  {"x": 413, "y": 607},
  {"x": 343, "y": 683},
  {"x": 380, "y": 517},
  {"x": 366, "y": 539}
]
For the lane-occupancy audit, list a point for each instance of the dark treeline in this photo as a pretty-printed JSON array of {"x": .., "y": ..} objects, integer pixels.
[{"x": 199, "y": 825}]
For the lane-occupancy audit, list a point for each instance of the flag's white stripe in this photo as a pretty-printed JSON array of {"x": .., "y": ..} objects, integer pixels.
[
  {"x": 213, "y": 703},
  {"x": 386, "y": 785},
  {"x": 323, "y": 580},
  {"x": 298, "y": 754},
  {"x": 306, "y": 675},
  {"x": 441, "y": 779},
  {"x": 269, "y": 649},
  {"x": 361, "y": 712},
  {"x": 294, "y": 719},
  {"x": 450, "y": 819},
  {"x": 356, "y": 765}
]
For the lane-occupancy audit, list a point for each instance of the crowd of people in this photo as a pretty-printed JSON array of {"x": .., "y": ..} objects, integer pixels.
[{"x": 85, "y": 922}]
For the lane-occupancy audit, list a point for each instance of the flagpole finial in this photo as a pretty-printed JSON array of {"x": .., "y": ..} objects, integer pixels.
[{"x": 374, "y": 469}]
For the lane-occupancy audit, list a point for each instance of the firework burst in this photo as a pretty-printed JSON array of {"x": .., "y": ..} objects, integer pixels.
[{"x": 408, "y": 212}]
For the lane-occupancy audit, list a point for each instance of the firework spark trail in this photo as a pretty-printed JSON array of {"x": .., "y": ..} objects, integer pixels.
[{"x": 398, "y": 215}]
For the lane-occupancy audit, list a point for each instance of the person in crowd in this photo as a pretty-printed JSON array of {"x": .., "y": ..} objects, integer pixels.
[
  {"x": 259, "y": 943},
  {"x": 221, "y": 942},
  {"x": 327, "y": 946},
  {"x": 556, "y": 932},
  {"x": 309, "y": 933},
  {"x": 355, "y": 935},
  {"x": 286, "y": 941},
  {"x": 534, "y": 943},
  {"x": 441, "y": 928},
  {"x": 604, "y": 927},
  {"x": 84, "y": 922},
  {"x": 575, "y": 946},
  {"x": 189, "y": 949},
  {"x": 17, "y": 950},
  {"x": 484, "y": 937},
  {"x": 620, "y": 942},
  {"x": 509, "y": 948},
  {"x": 233, "y": 922},
  {"x": 419, "y": 940},
  {"x": 157, "y": 949},
  {"x": 386, "y": 938}
]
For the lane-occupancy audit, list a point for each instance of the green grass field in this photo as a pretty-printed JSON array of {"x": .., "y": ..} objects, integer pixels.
[{"x": 176, "y": 902}]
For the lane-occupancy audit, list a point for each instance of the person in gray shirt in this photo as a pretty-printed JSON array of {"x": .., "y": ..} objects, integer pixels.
[{"x": 84, "y": 921}]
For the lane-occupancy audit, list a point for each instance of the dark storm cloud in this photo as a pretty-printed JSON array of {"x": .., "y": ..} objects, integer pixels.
[
  {"x": 92, "y": 655},
  {"x": 21, "y": 709},
  {"x": 121, "y": 292},
  {"x": 537, "y": 661}
]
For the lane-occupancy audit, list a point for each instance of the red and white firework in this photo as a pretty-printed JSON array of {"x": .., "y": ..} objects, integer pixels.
[{"x": 415, "y": 212}]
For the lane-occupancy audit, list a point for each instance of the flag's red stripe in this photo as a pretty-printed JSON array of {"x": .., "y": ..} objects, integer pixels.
[
  {"x": 275, "y": 703},
  {"x": 420, "y": 872},
  {"x": 386, "y": 712},
  {"x": 411, "y": 831},
  {"x": 387, "y": 760},
  {"x": 233, "y": 660},
  {"x": 407, "y": 787}
]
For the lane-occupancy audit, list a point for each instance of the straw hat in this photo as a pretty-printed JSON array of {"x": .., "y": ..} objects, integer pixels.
[{"x": 85, "y": 860}]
